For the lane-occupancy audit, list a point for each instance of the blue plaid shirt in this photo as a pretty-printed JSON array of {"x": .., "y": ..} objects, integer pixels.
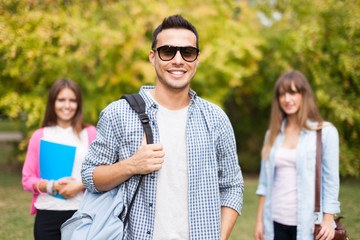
[{"x": 215, "y": 177}]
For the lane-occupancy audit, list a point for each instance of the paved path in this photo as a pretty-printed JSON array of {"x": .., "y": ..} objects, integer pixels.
[{"x": 11, "y": 136}]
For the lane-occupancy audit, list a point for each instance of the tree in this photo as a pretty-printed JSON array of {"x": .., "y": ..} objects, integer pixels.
[
  {"x": 321, "y": 39},
  {"x": 104, "y": 46}
]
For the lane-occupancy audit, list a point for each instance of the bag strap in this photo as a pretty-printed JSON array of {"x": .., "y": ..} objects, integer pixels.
[
  {"x": 137, "y": 103},
  {"x": 318, "y": 170}
]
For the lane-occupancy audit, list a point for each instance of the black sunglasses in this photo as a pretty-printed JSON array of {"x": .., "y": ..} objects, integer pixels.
[{"x": 166, "y": 53}]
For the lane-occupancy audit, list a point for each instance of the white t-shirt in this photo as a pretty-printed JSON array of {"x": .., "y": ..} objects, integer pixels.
[
  {"x": 65, "y": 136},
  {"x": 171, "y": 208},
  {"x": 284, "y": 194}
]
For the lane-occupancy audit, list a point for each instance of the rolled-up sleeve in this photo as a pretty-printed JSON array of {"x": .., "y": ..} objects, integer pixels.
[
  {"x": 102, "y": 151},
  {"x": 330, "y": 170},
  {"x": 231, "y": 182}
]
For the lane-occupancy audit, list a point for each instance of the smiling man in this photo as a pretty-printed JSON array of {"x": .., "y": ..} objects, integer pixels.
[{"x": 193, "y": 186}]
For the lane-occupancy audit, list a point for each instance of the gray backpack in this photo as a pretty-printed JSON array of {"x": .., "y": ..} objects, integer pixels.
[{"x": 98, "y": 215}]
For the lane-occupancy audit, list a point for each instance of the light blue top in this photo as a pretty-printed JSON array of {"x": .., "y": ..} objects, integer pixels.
[
  {"x": 305, "y": 168},
  {"x": 215, "y": 177}
]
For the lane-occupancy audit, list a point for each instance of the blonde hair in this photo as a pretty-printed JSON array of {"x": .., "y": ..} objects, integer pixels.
[{"x": 308, "y": 108}]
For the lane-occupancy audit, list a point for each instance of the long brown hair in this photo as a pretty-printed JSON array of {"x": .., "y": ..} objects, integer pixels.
[
  {"x": 50, "y": 118},
  {"x": 308, "y": 108}
]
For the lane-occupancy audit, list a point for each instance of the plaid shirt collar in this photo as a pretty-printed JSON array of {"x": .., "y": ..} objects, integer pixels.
[{"x": 149, "y": 102}]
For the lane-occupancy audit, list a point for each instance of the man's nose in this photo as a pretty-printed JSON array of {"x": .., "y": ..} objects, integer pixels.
[{"x": 178, "y": 58}]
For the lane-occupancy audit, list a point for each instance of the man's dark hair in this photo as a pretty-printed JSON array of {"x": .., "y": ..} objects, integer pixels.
[{"x": 174, "y": 21}]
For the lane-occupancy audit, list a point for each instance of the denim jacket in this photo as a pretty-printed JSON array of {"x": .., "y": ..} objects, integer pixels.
[{"x": 305, "y": 176}]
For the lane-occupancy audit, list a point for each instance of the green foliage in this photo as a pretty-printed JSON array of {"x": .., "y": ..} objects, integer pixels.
[
  {"x": 104, "y": 45},
  {"x": 88, "y": 42},
  {"x": 321, "y": 39}
]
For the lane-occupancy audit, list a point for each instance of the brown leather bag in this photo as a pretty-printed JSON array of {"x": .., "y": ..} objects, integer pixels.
[{"x": 340, "y": 232}]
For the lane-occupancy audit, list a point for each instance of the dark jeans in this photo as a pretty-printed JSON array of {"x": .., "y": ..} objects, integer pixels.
[
  {"x": 284, "y": 232},
  {"x": 47, "y": 224}
]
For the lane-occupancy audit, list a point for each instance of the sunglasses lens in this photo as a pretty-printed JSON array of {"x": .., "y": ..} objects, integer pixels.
[
  {"x": 166, "y": 53},
  {"x": 189, "y": 53}
]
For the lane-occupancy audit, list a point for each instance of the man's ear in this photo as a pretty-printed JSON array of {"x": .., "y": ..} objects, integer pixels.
[
  {"x": 198, "y": 59},
  {"x": 152, "y": 57}
]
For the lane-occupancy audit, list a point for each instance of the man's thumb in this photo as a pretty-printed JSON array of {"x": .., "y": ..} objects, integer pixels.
[{"x": 144, "y": 142}]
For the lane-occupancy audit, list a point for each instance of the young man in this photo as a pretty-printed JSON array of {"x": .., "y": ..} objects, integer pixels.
[{"x": 193, "y": 186}]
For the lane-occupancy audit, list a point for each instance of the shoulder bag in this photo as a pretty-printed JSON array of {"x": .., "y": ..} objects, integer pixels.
[{"x": 340, "y": 232}]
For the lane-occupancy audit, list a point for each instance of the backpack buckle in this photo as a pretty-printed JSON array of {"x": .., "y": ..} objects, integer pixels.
[{"x": 144, "y": 118}]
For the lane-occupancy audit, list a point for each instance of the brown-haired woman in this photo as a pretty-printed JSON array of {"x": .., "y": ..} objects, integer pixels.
[
  {"x": 287, "y": 177},
  {"x": 62, "y": 124}
]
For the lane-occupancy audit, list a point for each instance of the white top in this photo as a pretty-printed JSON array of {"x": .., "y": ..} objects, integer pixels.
[
  {"x": 65, "y": 136},
  {"x": 171, "y": 209},
  {"x": 284, "y": 195}
]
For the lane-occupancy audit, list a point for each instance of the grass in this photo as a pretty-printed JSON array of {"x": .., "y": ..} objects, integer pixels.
[
  {"x": 245, "y": 223},
  {"x": 350, "y": 209},
  {"x": 17, "y": 223},
  {"x": 15, "y": 220}
]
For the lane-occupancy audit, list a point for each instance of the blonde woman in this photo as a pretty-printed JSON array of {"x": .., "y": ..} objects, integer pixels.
[{"x": 287, "y": 177}]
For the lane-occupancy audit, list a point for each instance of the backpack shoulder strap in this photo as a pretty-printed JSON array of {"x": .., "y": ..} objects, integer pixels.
[{"x": 137, "y": 103}]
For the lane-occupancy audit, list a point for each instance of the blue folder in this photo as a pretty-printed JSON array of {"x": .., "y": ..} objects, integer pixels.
[{"x": 56, "y": 161}]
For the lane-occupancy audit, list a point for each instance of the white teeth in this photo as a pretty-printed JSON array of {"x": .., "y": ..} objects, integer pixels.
[{"x": 177, "y": 73}]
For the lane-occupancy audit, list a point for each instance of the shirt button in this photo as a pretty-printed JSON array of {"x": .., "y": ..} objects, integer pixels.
[
  {"x": 148, "y": 232},
  {"x": 150, "y": 204},
  {"x": 152, "y": 177}
]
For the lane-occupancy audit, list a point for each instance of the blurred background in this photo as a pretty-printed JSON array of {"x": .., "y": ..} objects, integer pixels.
[{"x": 244, "y": 47}]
